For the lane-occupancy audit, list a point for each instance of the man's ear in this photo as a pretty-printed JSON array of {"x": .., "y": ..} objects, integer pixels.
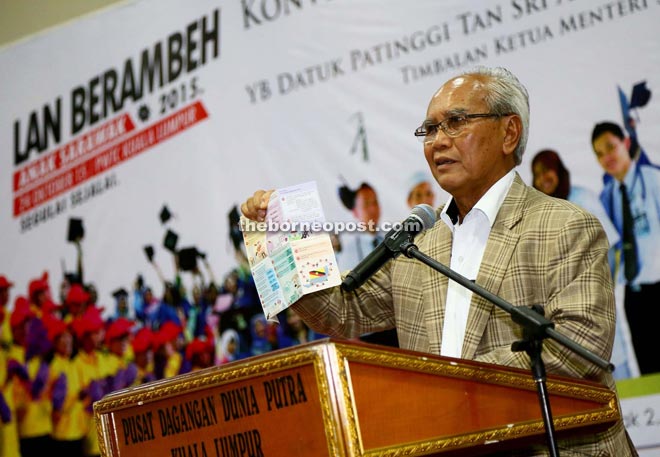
[
  {"x": 626, "y": 142},
  {"x": 512, "y": 133}
]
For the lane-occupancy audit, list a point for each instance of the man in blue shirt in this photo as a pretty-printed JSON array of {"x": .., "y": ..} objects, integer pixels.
[{"x": 632, "y": 201}]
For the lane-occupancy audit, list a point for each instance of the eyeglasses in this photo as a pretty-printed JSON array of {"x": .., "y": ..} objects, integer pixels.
[{"x": 452, "y": 126}]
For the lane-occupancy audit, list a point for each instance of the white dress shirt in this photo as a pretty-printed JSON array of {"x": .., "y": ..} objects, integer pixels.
[{"x": 469, "y": 243}]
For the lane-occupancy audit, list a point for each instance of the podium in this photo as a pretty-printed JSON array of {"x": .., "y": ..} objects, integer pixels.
[{"x": 342, "y": 398}]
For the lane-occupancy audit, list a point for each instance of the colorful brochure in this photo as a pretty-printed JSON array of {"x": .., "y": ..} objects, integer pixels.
[{"x": 290, "y": 255}]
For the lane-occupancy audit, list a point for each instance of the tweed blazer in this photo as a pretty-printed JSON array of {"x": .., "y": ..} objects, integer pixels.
[{"x": 541, "y": 250}]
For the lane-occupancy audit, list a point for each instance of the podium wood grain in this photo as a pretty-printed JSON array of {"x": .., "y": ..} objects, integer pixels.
[{"x": 341, "y": 398}]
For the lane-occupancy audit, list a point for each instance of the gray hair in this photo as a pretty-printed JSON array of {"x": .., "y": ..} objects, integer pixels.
[{"x": 505, "y": 94}]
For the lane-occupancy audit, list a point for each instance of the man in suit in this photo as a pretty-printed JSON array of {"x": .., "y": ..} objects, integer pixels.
[{"x": 511, "y": 239}]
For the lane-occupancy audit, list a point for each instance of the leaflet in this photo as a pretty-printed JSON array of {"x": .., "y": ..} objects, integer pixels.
[{"x": 287, "y": 258}]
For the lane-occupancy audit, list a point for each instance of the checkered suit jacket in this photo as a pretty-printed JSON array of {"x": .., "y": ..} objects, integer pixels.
[{"x": 541, "y": 250}]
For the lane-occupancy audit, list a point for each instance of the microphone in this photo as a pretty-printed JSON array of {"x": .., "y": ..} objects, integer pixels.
[{"x": 421, "y": 218}]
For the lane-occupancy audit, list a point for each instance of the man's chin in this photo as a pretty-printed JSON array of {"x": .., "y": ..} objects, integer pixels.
[{"x": 447, "y": 183}]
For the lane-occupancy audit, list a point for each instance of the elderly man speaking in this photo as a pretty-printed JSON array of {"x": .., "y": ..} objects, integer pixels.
[{"x": 516, "y": 242}]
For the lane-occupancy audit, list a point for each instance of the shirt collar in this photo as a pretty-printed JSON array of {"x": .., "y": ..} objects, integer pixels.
[{"x": 489, "y": 204}]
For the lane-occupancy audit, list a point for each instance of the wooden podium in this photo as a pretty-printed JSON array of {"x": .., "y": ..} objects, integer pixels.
[{"x": 340, "y": 398}]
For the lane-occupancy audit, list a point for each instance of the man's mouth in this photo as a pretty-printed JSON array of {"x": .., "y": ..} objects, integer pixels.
[
  {"x": 443, "y": 162},
  {"x": 610, "y": 165}
]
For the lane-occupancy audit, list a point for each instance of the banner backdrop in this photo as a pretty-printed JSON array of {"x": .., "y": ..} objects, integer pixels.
[{"x": 114, "y": 116}]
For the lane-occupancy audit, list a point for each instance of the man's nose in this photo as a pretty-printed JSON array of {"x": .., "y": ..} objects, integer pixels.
[{"x": 441, "y": 140}]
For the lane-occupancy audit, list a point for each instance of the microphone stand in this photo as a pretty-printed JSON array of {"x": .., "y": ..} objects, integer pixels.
[{"x": 535, "y": 329}]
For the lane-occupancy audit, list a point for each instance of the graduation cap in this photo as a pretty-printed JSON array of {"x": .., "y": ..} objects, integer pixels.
[
  {"x": 640, "y": 95},
  {"x": 149, "y": 252},
  {"x": 235, "y": 234},
  {"x": 188, "y": 258},
  {"x": 120, "y": 293},
  {"x": 234, "y": 216},
  {"x": 165, "y": 214},
  {"x": 76, "y": 231},
  {"x": 170, "y": 241},
  {"x": 347, "y": 196},
  {"x": 72, "y": 278}
]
